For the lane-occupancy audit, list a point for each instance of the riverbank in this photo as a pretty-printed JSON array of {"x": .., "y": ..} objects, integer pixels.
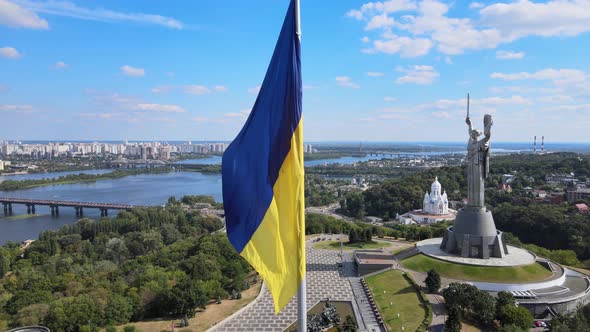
[{"x": 12, "y": 185}]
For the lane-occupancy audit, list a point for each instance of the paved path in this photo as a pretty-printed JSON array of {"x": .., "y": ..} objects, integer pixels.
[
  {"x": 324, "y": 279},
  {"x": 439, "y": 312},
  {"x": 368, "y": 316}
]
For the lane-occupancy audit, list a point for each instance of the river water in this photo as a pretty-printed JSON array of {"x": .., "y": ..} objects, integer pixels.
[{"x": 144, "y": 189}]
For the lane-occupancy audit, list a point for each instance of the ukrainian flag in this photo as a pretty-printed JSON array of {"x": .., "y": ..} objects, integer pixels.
[{"x": 262, "y": 172}]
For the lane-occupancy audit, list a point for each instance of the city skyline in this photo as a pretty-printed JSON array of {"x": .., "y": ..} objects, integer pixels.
[{"x": 143, "y": 71}]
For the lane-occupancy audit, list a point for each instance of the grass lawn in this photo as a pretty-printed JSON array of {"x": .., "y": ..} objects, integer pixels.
[
  {"x": 403, "y": 297},
  {"x": 204, "y": 320},
  {"x": 513, "y": 274},
  {"x": 335, "y": 245}
]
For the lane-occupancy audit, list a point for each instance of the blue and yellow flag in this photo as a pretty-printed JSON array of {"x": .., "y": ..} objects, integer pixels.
[{"x": 262, "y": 173}]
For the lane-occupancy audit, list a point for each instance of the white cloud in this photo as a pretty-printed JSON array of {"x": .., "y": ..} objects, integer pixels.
[
  {"x": 112, "y": 100},
  {"x": 160, "y": 108},
  {"x": 365, "y": 39},
  {"x": 104, "y": 116},
  {"x": 509, "y": 55},
  {"x": 525, "y": 18},
  {"x": 255, "y": 90},
  {"x": 243, "y": 114},
  {"x": 161, "y": 89},
  {"x": 447, "y": 104},
  {"x": 495, "y": 101},
  {"x": 220, "y": 88},
  {"x": 309, "y": 87},
  {"x": 127, "y": 108},
  {"x": 14, "y": 16},
  {"x": 196, "y": 90},
  {"x": 380, "y": 22},
  {"x": 557, "y": 76},
  {"x": 9, "y": 53},
  {"x": 393, "y": 116},
  {"x": 375, "y": 74},
  {"x": 346, "y": 82},
  {"x": 200, "y": 119},
  {"x": 60, "y": 65},
  {"x": 396, "y": 110},
  {"x": 69, "y": 9},
  {"x": 407, "y": 47},
  {"x": 441, "y": 115},
  {"x": 132, "y": 71},
  {"x": 16, "y": 108},
  {"x": 227, "y": 118},
  {"x": 429, "y": 25},
  {"x": 386, "y": 7},
  {"x": 170, "y": 74},
  {"x": 554, "y": 99},
  {"x": 417, "y": 75},
  {"x": 448, "y": 60},
  {"x": 389, "y": 99}
]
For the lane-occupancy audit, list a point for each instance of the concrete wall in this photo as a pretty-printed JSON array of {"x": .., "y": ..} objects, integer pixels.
[
  {"x": 364, "y": 269},
  {"x": 497, "y": 287}
]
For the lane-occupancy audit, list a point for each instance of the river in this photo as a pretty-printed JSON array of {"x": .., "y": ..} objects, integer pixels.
[{"x": 143, "y": 189}]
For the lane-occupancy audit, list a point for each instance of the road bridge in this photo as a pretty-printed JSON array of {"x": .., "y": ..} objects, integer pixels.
[{"x": 104, "y": 208}]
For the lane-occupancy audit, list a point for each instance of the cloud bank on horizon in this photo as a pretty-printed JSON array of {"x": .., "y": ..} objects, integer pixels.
[{"x": 395, "y": 70}]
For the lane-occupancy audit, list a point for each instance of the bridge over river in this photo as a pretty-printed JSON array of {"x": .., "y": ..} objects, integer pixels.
[{"x": 55, "y": 205}]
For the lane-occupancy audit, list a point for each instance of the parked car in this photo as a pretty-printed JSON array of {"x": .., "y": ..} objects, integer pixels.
[{"x": 539, "y": 323}]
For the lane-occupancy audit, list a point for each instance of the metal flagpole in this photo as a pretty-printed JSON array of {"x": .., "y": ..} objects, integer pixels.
[{"x": 302, "y": 291}]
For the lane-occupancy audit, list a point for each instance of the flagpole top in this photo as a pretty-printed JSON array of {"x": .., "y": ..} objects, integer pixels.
[{"x": 298, "y": 18}]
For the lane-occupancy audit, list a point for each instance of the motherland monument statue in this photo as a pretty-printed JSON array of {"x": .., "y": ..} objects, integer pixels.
[{"x": 474, "y": 234}]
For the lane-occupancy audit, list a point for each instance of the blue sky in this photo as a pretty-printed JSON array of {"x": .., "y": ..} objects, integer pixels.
[{"x": 394, "y": 70}]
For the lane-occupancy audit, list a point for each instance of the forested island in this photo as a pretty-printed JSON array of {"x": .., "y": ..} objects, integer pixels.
[{"x": 9, "y": 185}]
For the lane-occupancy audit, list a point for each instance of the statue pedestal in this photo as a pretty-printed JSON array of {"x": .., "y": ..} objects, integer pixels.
[{"x": 474, "y": 235}]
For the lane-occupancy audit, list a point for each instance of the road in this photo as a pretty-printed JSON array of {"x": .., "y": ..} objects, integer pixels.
[{"x": 329, "y": 210}]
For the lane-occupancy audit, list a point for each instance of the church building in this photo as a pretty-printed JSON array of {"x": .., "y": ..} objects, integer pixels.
[{"x": 435, "y": 208}]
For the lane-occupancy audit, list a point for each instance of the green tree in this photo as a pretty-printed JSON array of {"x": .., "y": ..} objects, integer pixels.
[
  {"x": 129, "y": 328},
  {"x": 183, "y": 299},
  {"x": 432, "y": 281},
  {"x": 4, "y": 263},
  {"x": 349, "y": 325},
  {"x": 368, "y": 235},
  {"x": 31, "y": 315},
  {"x": 513, "y": 315},
  {"x": 484, "y": 308},
  {"x": 353, "y": 236},
  {"x": 504, "y": 299},
  {"x": 23, "y": 298},
  {"x": 119, "y": 309},
  {"x": 453, "y": 322},
  {"x": 169, "y": 234},
  {"x": 69, "y": 313}
]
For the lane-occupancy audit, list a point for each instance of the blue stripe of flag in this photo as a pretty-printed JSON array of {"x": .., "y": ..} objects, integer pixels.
[{"x": 251, "y": 164}]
